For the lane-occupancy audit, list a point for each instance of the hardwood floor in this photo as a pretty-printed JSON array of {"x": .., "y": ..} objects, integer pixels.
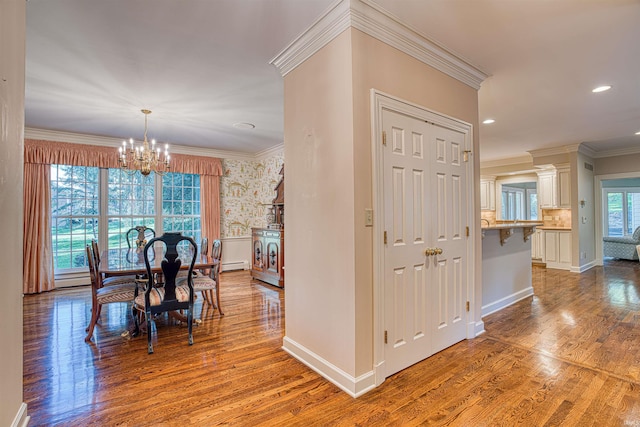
[{"x": 568, "y": 356}]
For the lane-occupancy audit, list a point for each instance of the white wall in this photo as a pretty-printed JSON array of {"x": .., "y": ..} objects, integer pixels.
[{"x": 12, "y": 70}]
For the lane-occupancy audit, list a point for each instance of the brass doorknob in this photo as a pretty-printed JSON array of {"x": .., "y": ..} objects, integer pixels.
[
  {"x": 438, "y": 251},
  {"x": 429, "y": 251}
]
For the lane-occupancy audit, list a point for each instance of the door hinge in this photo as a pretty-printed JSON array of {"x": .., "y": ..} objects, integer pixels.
[
  {"x": 467, "y": 305},
  {"x": 384, "y": 137},
  {"x": 385, "y": 237},
  {"x": 467, "y": 231},
  {"x": 465, "y": 155},
  {"x": 385, "y": 337}
]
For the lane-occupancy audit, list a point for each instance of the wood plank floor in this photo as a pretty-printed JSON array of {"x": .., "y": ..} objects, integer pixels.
[{"x": 568, "y": 356}]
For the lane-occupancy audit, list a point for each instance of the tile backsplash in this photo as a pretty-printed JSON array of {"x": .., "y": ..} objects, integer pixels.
[{"x": 556, "y": 217}]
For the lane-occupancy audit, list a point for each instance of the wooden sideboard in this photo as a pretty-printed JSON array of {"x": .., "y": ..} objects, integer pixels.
[{"x": 267, "y": 261}]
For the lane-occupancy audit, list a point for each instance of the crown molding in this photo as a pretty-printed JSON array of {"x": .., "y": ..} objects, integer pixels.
[
  {"x": 77, "y": 138},
  {"x": 610, "y": 153},
  {"x": 269, "y": 152},
  {"x": 573, "y": 148},
  {"x": 378, "y": 23},
  {"x": 587, "y": 151},
  {"x": 526, "y": 159}
]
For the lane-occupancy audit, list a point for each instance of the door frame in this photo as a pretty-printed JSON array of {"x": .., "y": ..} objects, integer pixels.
[{"x": 381, "y": 101}]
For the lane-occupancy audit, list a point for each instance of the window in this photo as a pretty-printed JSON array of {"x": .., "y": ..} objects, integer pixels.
[
  {"x": 74, "y": 214},
  {"x": 131, "y": 202},
  {"x": 91, "y": 203},
  {"x": 622, "y": 211},
  {"x": 181, "y": 204},
  {"x": 519, "y": 202}
]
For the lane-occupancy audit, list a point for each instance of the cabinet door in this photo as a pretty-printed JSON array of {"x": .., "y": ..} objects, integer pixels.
[
  {"x": 272, "y": 255},
  {"x": 257, "y": 258},
  {"x": 484, "y": 195},
  {"x": 547, "y": 190},
  {"x": 540, "y": 249},
  {"x": 551, "y": 246},
  {"x": 564, "y": 188},
  {"x": 564, "y": 247}
]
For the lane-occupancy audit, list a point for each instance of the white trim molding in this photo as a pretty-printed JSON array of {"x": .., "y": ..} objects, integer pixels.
[
  {"x": 353, "y": 386},
  {"x": 22, "y": 418},
  {"x": 366, "y": 16}
]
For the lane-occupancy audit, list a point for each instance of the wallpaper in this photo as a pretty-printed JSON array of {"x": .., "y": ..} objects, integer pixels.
[{"x": 245, "y": 188}]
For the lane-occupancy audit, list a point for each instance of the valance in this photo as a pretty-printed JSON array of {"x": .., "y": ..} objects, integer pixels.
[{"x": 65, "y": 153}]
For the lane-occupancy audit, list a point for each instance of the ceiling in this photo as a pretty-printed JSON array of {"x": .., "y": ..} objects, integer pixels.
[{"x": 202, "y": 66}]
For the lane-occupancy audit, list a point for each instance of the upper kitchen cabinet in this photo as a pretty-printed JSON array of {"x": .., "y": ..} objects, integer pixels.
[
  {"x": 488, "y": 193},
  {"x": 554, "y": 188}
]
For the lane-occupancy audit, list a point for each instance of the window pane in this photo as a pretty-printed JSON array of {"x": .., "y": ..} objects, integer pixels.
[
  {"x": 633, "y": 212},
  {"x": 74, "y": 213},
  {"x": 614, "y": 214},
  {"x": 179, "y": 211},
  {"x": 131, "y": 203}
]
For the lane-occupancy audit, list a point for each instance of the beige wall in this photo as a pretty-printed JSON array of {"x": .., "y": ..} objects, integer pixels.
[
  {"x": 586, "y": 228},
  {"x": 319, "y": 192},
  {"x": 329, "y": 297},
  {"x": 12, "y": 52},
  {"x": 618, "y": 164}
]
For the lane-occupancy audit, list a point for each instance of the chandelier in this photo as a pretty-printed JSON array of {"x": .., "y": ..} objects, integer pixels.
[{"x": 143, "y": 157}]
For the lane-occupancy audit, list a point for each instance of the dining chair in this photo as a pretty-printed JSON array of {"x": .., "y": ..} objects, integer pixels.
[
  {"x": 123, "y": 292},
  {"x": 206, "y": 283},
  {"x": 113, "y": 280},
  {"x": 139, "y": 235},
  {"x": 171, "y": 296}
]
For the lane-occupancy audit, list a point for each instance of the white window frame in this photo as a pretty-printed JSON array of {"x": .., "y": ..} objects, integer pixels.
[{"x": 79, "y": 275}]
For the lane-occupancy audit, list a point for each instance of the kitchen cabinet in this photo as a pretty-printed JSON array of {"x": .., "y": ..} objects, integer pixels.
[
  {"x": 554, "y": 188},
  {"x": 487, "y": 194},
  {"x": 537, "y": 245},
  {"x": 557, "y": 249}
]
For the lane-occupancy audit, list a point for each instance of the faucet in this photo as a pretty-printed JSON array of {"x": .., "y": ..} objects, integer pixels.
[{"x": 484, "y": 219}]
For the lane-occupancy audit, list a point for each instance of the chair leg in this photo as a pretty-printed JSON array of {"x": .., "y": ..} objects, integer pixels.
[
  {"x": 149, "y": 345},
  {"x": 218, "y": 297},
  {"x": 190, "y": 323},
  {"x": 136, "y": 320},
  {"x": 95, "y": 312}
]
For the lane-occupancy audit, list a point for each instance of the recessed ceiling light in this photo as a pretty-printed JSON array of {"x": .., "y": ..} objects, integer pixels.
[
  {"x": 638, "y": 133},
  {"x": 601, "y": 89},
  {"x": 488, "y": 121},
  {"x": 244, "y": 125}
]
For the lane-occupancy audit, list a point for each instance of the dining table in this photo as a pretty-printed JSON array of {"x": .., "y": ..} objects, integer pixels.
[{"x": 130, "y": 261}]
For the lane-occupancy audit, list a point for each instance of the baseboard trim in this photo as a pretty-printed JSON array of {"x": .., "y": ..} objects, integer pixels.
[
  {"x": 21, "y": 419},
  {"x": 354, "y": 387},
  {"x": 585, "y": 267},
  {"x": 479, "y": 328},
  {"x": 506, "y": 301}
]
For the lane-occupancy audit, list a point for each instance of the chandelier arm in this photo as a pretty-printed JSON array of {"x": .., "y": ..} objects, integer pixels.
[{"x": 143, "y": 158}]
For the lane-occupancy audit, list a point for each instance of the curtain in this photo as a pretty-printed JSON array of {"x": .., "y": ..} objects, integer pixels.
[
  {"x": 39, "y": 155},
  {"x": 37, "y": 270}
]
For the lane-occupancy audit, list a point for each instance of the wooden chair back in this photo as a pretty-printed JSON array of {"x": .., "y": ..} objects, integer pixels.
[
  {"x": 169, "y": 298},
  {"x": 139, "y": 235}
]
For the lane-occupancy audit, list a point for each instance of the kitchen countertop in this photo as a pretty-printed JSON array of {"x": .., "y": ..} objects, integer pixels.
[
  {"x": 503, "y": 226},
  {"x": 555, "y": 228}
]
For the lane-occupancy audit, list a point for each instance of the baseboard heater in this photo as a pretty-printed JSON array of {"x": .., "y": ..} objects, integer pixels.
[{"x": 235, "y": 265}]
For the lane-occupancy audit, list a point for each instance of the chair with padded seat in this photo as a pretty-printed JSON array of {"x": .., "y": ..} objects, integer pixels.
[
  {"x": 171, "y": 296},
  {"x": 206, "y": 283},
  {"x": 115, "y": 292},
  {"x": 113, "y": 280}
]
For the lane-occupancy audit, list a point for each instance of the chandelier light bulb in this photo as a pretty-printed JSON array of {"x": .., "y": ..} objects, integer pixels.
[{"x": 142, "y": 157}]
